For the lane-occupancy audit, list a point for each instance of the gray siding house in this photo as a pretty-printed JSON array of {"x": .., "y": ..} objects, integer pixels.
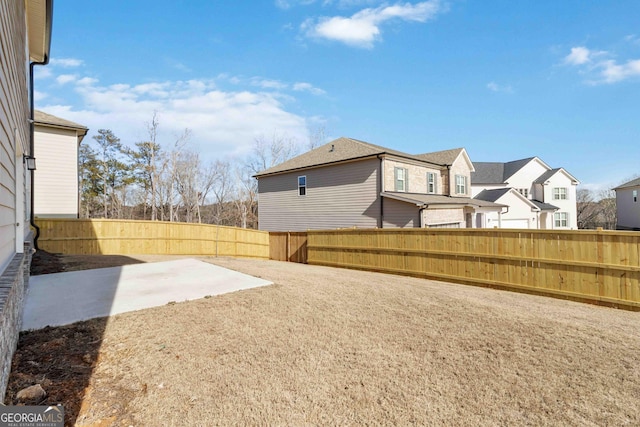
[
  {"x": 628, "y": 205},
  {"x": 350, "y": 183}
]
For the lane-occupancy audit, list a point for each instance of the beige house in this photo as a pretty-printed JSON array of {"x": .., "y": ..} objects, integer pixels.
[
  {"x": 351, "y": 183},
  {"x": 25, "y": 40},
  {"x": 55, "y": 183}
]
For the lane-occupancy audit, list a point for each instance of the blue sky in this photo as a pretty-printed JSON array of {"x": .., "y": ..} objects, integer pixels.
[{"x": 506, "y": 80}]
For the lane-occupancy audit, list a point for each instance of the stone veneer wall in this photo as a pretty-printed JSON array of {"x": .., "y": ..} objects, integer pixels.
[{"x": 13, "y": 287}]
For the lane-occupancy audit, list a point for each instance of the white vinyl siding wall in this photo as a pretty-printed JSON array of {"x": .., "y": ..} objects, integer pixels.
[
  {"x": 343, "y": 195},
  {"x": 56, "y": 177},
  {"x": 14, "y": 128}
]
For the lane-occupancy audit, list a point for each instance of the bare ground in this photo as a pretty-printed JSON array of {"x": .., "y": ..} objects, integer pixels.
[{"x": 333, "y": 346}]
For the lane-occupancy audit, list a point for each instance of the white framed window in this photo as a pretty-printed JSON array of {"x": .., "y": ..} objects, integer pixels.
[
  {"x": 431, "y": 183},
  {"x": 524, "y": 192},
  {"x": 560, "y": 193},
  {"x": 461, "y": 184},
  {"x": 302, "y": 185},
  {"x": 635, "y": 196},
  {"x": 561, "y": 219},
  {"x": 401, "y": 179}
]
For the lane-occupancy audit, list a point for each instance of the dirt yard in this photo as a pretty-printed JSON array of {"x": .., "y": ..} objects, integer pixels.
[{"x": 340, "y": 347}]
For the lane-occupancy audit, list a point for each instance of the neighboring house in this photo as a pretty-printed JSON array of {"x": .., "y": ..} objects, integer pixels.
[
  {"x": 55, "y": 182},
  {"x": 549, "y": 195},
  {"x": 25, "y": 37},
  {"x": 351, "y": 183},
  {"x": 628, "y": 205}
]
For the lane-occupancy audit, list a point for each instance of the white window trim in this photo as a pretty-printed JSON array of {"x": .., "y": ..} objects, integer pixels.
[
  {"x": 435, "y": 183},
  {"x": 558, "y": 219},
  {"x": 302, "y": 186},
  {"x": 404, "y": 180},
  {"x": 560, "y": 195},
  {"x": 462, "y": 186}
]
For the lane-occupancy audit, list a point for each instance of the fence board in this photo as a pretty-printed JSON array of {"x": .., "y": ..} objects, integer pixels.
[
  {"x": 595, "y": 266},
  {"x": 288, "y": 246},
  {"x": 122, "y": 237}
]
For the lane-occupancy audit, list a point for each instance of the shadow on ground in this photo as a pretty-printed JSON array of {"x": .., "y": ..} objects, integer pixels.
[{"x": 61, "y": 359}]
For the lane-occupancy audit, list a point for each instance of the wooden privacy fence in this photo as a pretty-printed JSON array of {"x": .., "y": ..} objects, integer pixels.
[
  {"x": 593, "y": 266},
  {"x": 288, "y": 246},
  {"x": 122, "y": 237}
]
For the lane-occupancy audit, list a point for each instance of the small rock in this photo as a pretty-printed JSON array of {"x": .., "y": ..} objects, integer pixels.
[{"x": 33, "y": 393}]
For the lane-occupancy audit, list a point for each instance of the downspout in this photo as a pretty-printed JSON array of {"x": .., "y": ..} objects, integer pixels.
[
  {"x": 420, "y": 212},
  {"x": 45, "y": 61},
  {"x": 32, "y": 219},
  {"x": 381, "y": 190}
]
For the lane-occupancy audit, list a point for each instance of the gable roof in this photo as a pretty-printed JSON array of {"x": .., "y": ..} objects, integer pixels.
[
  {"x": 632, "y": 183},
  {"x": 339, "y": 150},
  {"x": 492, "y": 195},
  {"x": 548, "y": 174},
  {"x": 544, "y": 206},
  {"x": 444, "y": 157},
  {"x": 496, "y": 172},
  {"x": 488, "y": 173},
  {"x": 42, "y": 118},
  {"x": 495, "y": 194}
]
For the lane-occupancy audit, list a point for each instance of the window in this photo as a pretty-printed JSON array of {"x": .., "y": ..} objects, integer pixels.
[
  {"x": 635, "y": 196},
  {"x": 401, "y": 175},
  {"x": 524, "y": 192},
  {"x": 561, "y": 219},
  {"x": 461, "y": 184},
  {"x": 559, "y": 193},
  {"x": 431, "y": 182},
  {"x": 302, "y": 185}
]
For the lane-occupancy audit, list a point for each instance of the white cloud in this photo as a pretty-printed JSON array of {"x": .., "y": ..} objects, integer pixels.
[
  {"x": 66, "y": 62},
  {"x": 39, "y": 96},
  {"x": 578, "y": 56},
  {"x": 267, "y": 83},
  {"x": 495, "y": 87},
  {"x": 286, "y": 4},
  {"x": 42, "y": 73},
  {"x": 308, "y": 87},
  {"x": 223, "y": 123},
  {"x": 598, "y": 63},
  {"x": 66, "y": 78},
  {"x": 612, "y": 72},
  {"x": 363, "y": 28}
]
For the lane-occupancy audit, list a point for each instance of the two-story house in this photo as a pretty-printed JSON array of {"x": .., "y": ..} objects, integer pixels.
[
  {"x": 351, "y": 183},
  {"x": 628, "y": 205},
  {"x": 548, "y": 195}
]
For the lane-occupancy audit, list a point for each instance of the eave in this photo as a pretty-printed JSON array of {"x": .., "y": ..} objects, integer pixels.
[{"x": 39, "y": 25}]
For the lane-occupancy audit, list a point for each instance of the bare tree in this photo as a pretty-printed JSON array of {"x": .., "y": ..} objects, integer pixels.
[
  {"x": 222, "y": 189},
  {"x": 608, "y": 212},
  {"x": 267, "y": 153},
  {"x": 317, "y": 137},
  {"x": 588, "y": 209}
]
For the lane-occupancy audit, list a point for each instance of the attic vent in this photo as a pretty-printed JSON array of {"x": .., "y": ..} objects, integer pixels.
[{"x": 332, "y": 149}]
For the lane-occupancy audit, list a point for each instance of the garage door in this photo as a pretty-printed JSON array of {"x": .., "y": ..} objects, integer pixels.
[{"x": 515, "y": 223}]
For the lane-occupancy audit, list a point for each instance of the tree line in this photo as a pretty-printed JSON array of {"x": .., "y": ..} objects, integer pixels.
[{"x": 148, "y": 181}]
